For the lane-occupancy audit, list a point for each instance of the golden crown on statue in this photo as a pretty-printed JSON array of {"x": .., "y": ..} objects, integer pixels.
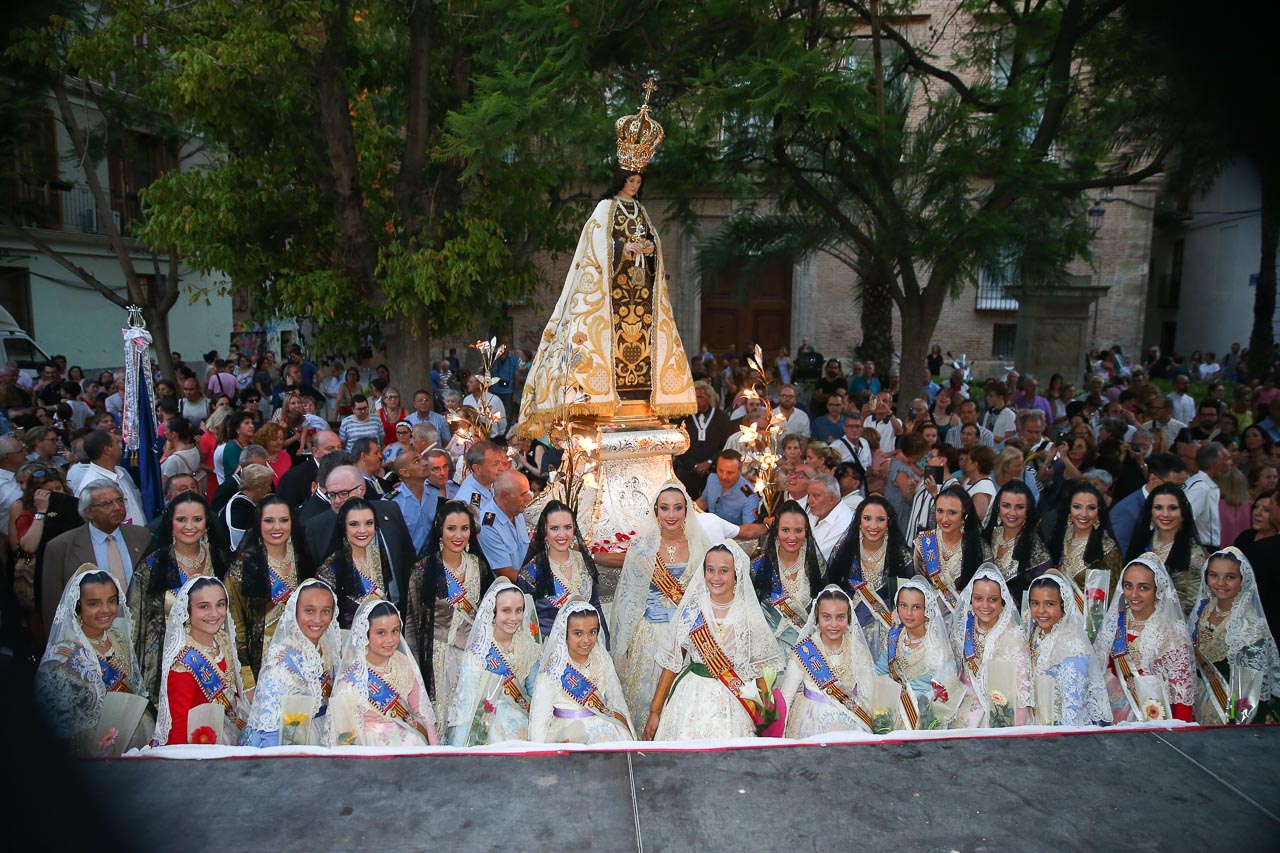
[{"x": 639, "y": 135}]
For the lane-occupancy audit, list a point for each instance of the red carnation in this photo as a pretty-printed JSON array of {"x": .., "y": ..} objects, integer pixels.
[{"x": 204, "y": 734}]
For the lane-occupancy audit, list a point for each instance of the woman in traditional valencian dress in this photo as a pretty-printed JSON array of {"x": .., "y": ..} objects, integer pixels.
[
  {"x": 1012, "y": 539},
  {"x": 577, "y": 697},
  {"x": 444, "y": 591},
  {"x": 613, "y": 333},
  {"x": 994, "y": 658},
  {"x": 558, "y": 567},
  {"x": 917, "y": 655},
  {"x": 869, "y": 566},
  {"x": 187, "y": 547},
  {"x": 1082, "y": 539},
  {"x": 1144, "y": 634},
  {"x": 655, "y": 575},
  {"x": 1061, "y": 652},
  {"x": 788, "y": 574},
  {"x": 495, "y": 682},
  {"x": 200, "y": 666},
  {"x": 828, "y": 686},
  {"x": 1173, "y": 538},
  {"x": 270, "y": 563},
  {"x": 299, "y": 663},
  {"x": 947, "y": 556},
  {"x": 720, "y": 644},
  {"x": 1235, "y": 650},
  {"x": 355, "y": 570},
  {"x": 380, "y": 698},
  {"x": 90, "y": 655}
]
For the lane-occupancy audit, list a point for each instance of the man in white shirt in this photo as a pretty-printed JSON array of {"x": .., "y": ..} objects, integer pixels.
[
  {"x": 999, "y": 419},
  {"x": 104, "y": 450},
  {"x": 797, "y": 422},
  {"x": 1162, "y": 421},
  {"x": 1184, "y": 406},
  {"x": 852, "y": 447},
  {"x": 474, "y": 394},
  {"x": 1201, "y": 489},
  {"x": 879, "y": 416},
  {"x": 828, "y": 515}
]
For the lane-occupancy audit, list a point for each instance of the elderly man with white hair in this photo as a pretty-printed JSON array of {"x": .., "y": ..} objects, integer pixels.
[
  {"x": 829, "y": 516},
  {"x": 105, "y": 541}
]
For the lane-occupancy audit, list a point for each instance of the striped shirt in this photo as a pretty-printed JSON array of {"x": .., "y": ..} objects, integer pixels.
[{"x": 353, "y": 429}]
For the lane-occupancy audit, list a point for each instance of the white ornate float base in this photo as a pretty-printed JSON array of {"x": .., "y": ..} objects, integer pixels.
[{"x": 632, "y": 462}]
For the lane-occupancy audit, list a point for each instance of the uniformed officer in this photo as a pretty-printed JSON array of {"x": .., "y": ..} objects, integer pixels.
[
  {"x": 504, "y": 536},
  {"x": 484, "y": 463},
  {"x": 730, "y": 495}
]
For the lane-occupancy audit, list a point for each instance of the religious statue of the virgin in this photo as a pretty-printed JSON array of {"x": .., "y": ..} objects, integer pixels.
[{"x": 614, "y": 310}]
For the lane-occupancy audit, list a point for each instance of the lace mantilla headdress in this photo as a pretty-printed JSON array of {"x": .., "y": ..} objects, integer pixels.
[{"x": 639, "y": 135}]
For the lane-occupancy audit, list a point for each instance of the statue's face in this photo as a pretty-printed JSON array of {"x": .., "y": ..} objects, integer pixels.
[{"x": 631, "y": 186}]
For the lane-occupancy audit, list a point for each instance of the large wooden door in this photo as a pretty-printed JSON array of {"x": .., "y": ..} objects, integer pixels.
[{"x": 758, "y": 311}]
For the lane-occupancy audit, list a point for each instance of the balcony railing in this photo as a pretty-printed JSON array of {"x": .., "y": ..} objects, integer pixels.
[{"x": 52, "y": 207}]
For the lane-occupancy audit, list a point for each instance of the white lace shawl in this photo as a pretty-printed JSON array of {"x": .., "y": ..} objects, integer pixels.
[
  {"x": 69, "y": 688},
  {"x": 856, "y": 668},
  {"x": 527, "y": 652},
  {"x": 176, "y": 639},
  {"x": 748, "y": 640},
  {"x": 1005, "y": 640},
  {"x": 1164, "y": 646},
  {"x": 1069, "y": 639},
  {"x": 1250, "y": 642},
  {"x": 353, "y": 673},
  {"x": 938, "y": 655},
  {"x": 555, "y": 657},
  {"x": 304, "y": 676},
  {"x": 637, "y": 571}
]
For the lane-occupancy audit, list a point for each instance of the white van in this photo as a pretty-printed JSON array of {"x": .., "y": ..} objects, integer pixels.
[{"x": 17, "y": 346}]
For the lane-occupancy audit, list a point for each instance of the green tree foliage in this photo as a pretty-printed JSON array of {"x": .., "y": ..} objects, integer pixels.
[{"x": 927, "y": 151}]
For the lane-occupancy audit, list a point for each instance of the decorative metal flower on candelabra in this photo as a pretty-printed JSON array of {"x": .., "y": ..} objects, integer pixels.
[
  {"x": 578, "y": 463},
  {"x": 476, "y": 424},
  {"x": 760, "y": 445}
]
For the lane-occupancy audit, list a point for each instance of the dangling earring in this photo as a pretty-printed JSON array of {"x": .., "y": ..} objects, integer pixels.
[{"x": 1096, "y": 524}]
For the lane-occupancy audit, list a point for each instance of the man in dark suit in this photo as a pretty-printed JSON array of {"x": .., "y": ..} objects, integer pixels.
[
  {"x": 253, "y": 454},
  {"x": 1161, "y": 468},
  {"x": 297, "y": 483},
  {"x": 345, "y": 483},
  {"x": 708, "y": 430},
  {"x": 317, "y": 503},
  {"x": 106, "y": 542}
]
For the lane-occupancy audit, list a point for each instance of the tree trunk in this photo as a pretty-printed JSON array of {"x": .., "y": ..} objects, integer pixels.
[
  {"x": 158, "y": 326},
  {"x": 920, "y": 315},
  {"x": 1262, "y": 337},
  {"x": 875, "y": 293},
  {"x": 408, "y": 357}
]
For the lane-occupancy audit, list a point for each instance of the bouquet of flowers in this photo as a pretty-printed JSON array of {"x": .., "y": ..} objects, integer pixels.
[
  {"x": 1095, "y": 599},
  {"x": 885, "y": 716},
  {"x": 1001, "y": 686},
  {"x": 207, "y": 724},
  {"x": 1152, "y": 704},
  {"x": 1246, "y": 690},
  {"x": 765, "y": 704},
  {"x": 295, "y": 720},
  {"x": 617, "y": 545},
  {"x": 944, "y": 701},
  {"x": 342, "y": 710}
]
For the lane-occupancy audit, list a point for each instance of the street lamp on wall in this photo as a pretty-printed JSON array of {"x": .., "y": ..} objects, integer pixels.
[{"x": 1095, "y": 213}]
